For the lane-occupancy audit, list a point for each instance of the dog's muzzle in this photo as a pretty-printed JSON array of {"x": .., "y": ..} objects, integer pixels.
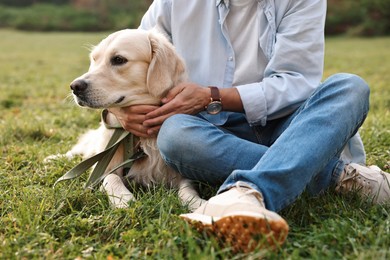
[
  {"x": 79, "y": 87},
  {"x": 85, "y": 97}
]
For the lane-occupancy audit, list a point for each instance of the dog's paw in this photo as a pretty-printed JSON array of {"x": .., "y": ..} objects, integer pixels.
[
  {"x": 69, "y": 155},
  {"x": 54, "y": 157},
  {"x": 118, "y": 195}
]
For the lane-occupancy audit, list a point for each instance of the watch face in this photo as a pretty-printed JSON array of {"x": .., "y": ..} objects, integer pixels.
[{"x": 214, "y": 107}]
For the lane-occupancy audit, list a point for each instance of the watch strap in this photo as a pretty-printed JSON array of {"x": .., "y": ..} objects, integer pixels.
[{"x": 215, "y": 96}]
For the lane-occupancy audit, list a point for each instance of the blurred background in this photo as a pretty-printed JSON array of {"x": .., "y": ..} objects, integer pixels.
[{"x": 345, "y": 17}]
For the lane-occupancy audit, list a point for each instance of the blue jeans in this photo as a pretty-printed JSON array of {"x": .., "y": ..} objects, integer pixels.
[{"x": 282, "y": 159}]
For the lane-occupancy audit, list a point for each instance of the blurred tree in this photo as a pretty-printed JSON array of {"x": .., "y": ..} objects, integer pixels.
[
  {"x": 343, "y": 15},
  {"x": 31, "y": 2},
  {"x": 85, "y": 4},
  {"x": 358, "y": 17},
  {"x": 354, "y": 17},
  {"x": 376, "y": 18}
]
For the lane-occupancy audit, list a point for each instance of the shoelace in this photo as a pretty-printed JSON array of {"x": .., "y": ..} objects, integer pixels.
[
  {"x": 348, "y": 175},
  {"x": 250, "y": 193}
]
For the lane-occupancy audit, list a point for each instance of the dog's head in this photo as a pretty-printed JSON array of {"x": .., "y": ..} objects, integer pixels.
[{"x": 129, "y": 67}]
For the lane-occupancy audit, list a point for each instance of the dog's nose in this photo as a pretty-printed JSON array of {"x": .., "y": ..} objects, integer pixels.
[{"x": 78, "y": 86}]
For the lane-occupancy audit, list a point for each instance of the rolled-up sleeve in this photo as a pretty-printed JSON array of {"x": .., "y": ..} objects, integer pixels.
[{"x": 295, "y": 64}]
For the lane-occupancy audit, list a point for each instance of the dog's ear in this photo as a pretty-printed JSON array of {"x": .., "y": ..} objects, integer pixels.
[{"x": 166, "y": 67}]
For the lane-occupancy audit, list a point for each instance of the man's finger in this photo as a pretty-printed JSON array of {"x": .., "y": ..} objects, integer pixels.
[
  {"x": 139, "y": 109},
  {"x": 156, "y": 121},
  {"x": 172, "y": 93},
  {"x": 161, "y": 111},
  {"x": 154, "y": 130}
]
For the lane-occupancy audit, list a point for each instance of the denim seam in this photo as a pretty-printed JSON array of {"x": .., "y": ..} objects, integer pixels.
[{"x": 337, "y": 172}]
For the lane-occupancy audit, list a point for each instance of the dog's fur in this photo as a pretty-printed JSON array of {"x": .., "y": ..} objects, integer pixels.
[{"x": 131, "y": 67}]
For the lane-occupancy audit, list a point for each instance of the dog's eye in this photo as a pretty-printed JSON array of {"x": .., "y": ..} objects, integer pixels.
[{"x": 118, "y": 60}]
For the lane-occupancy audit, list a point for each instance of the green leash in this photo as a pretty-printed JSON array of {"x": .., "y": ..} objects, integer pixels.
[{"x": 103, "y": 158}]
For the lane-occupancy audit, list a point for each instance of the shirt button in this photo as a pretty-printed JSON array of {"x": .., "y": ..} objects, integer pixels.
[{"x": 230, "y": 58}]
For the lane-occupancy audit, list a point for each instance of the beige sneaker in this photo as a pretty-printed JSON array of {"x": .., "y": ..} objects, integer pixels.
[
  {"x": 238, "y": 217},
  {"x": 369, "y": 182}
]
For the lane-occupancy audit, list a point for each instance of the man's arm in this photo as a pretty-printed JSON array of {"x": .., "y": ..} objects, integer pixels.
[{"x": 296, "y": 65}]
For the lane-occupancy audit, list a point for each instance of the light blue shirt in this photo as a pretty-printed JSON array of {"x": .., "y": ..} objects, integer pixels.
[{"x": 291, "y": 37}]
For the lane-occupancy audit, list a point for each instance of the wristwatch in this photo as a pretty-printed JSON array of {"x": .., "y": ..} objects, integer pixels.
[{"x": 215, "y": 105}]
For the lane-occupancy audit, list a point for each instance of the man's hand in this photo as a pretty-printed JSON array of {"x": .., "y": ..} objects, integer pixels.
[
  {"x": 146, "y": 120},
  {"x": 185, "y": 98},
  {"x": 133, "y": 117}
]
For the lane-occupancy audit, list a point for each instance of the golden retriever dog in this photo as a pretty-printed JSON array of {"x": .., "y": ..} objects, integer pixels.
[{"x": 130, "y": 67}]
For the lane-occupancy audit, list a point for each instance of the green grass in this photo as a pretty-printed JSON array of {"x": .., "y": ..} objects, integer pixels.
[{"x": 38, "y": 221}]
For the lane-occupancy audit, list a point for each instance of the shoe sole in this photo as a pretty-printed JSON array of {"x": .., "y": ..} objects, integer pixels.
[{"x": 244, "y": 233}]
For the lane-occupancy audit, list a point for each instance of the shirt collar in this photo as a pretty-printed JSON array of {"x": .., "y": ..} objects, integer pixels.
[
  {"x": 226, "y": 2},
  {"x": 218, "y": 2}
]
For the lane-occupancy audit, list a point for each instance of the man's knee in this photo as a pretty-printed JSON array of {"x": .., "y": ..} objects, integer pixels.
[
  {"x": 352, "y": 88},
  {"x": 172, "y": 136},
  {"x": 352, "y": 83}
]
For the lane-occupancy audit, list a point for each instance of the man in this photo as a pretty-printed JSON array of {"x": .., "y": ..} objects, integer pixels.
[{"x": 266, "y": 129}]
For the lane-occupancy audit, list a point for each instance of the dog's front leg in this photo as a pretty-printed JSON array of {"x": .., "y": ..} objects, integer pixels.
[
  {"x": 189, "y": 196},
  {"x": 118, "y": 195}
]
